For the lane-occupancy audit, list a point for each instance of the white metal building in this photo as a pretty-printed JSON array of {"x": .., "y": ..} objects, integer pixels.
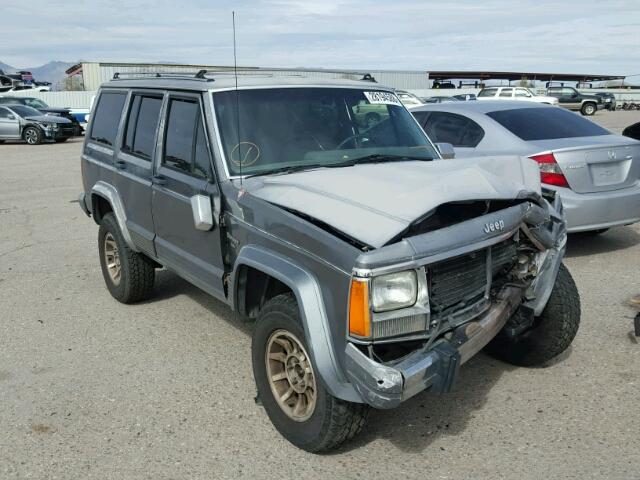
[{"x": 90, "y": 75}]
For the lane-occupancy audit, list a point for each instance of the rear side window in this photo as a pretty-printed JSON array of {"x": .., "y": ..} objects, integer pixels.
[
  {"x": 140, "y": 136},
  {"x": 546, "y": 123},
  {"x": 106, "y": 117},
  {"x": 506, "y": 92},
  {"x": 488, "y": 92},
  {"x": 457, "y": 130},
  {"x": 186, "y": 145}
]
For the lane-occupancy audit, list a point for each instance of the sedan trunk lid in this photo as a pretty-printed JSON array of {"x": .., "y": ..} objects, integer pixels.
[{"x": 596, "y": 164}]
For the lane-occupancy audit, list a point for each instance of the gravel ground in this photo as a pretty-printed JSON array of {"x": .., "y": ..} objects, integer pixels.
[{"x": 90, "y": 388}]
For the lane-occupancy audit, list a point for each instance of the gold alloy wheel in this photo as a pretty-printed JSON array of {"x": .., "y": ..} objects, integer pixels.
[
  {"x": 290, "y": 375},
  {"x": 112, "y": 258}
]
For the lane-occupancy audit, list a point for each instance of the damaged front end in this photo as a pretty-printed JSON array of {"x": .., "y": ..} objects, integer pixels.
[{"x": 473, "y": 279}]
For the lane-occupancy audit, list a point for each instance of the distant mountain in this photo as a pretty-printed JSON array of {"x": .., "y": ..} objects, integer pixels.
[
  {"x": 53, "y": 72},
  {"x": 6, "y": 68}
]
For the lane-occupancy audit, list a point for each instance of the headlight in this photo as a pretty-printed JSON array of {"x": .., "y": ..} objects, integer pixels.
[{"x": 394, "y": 291}]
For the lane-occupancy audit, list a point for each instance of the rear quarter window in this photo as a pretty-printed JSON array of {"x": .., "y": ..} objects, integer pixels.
[
  {"x": 546, "y": 123},
  {"x": 104, "y": 124},
  {"x": 458, "y": 130}
]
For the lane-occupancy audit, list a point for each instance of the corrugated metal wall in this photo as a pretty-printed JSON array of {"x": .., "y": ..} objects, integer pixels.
[{"x": 96, "y": 73}]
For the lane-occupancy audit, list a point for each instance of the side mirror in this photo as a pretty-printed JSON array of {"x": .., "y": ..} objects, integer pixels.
[
  {"x": 202, "y": 213},
  {"x": 446, "y": 150},
  {"x": 11, "y": 117}
]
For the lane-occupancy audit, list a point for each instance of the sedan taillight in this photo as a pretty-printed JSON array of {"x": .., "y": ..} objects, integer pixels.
[{"x": 550, "y": 172}]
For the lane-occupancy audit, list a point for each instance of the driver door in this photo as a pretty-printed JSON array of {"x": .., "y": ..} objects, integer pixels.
[
  {"x": 184, "y": 174},
  {"x": 9, "y": 124}
]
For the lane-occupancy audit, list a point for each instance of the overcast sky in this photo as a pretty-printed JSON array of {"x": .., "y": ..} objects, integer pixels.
[{"x": 559, "y": 36}]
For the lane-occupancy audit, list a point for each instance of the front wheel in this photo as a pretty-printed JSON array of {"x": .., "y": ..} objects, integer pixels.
[
  {"x": 294, "y": 397},
  {"x": 32, "y": 135},
  {"x": 129, "y": 275},
  {"x": 552, "y": 332},
  {"x": 588, "y": 109}
]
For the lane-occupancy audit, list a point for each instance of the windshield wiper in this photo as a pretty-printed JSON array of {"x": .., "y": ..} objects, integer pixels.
[
  {"x": 373, "y": 158},
  {"x": 381, "y": 158},
  {"x": 289, "y": 169}
]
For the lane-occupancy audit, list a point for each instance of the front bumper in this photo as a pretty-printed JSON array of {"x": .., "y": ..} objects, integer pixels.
[
  {"x": 432, "y": 368},
  {"x": 594, "y": 211}
]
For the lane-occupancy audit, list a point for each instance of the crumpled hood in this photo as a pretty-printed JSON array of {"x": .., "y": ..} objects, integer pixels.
[{"x": 373, "y": 203}]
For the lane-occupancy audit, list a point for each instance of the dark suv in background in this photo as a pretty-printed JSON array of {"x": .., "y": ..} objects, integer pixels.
[{"x": 572, "y": 99}]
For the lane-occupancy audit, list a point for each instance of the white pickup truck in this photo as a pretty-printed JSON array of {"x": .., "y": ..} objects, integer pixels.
[{"x": 514, "y": 93}]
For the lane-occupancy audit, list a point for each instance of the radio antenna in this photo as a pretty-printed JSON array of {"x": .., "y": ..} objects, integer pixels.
[{"x": 235, "y": 74}]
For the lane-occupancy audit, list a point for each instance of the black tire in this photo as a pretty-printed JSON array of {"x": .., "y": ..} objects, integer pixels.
[
  {"x": 588, "y": 109},
  {"x": 552, "y": 332},
  {"x": 333, "y": 421},
  {"x": 137, "y": 272},
  {"x": 32, "y": 135},
  {"x": 61, "y": 140}
]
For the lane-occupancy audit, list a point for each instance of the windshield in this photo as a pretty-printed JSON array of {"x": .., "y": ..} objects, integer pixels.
[
  {"x": 315, "y": 127},
  {"x": 25, "y": 111},
  {"x": 35, "y": 103}
]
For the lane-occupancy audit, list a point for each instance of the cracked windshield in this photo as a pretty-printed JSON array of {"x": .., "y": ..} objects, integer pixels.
[{"x": 298, "y": 128}]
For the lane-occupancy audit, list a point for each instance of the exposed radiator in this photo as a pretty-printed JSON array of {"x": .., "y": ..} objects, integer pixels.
[{"x": 463, "y": 280}]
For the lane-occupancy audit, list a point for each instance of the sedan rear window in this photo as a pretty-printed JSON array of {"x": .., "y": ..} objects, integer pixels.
[{"x": 546, "y": 123}]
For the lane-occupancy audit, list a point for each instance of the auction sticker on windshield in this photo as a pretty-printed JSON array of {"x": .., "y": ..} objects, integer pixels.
[{"x": 382, "y": 98}]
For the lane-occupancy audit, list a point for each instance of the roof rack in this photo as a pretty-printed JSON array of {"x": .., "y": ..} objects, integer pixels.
[
  {"x": 203, "y": 75},
  {"x": 199, "y": 75}
]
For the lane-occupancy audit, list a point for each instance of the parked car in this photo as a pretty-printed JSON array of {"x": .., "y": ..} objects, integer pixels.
[
  {"x": 19, "y": 122},
  {"x": 572, "y": 99},
  {"x": 372, "y": 268},
  {"x": 439, "y": 99},
  {"x": 43, "y": 108},
  {"x": 608, "y": 99},
  {"x": 595, "y": 172},
  {"x": 632, "y": 131},
  {"x": 514, "y": 93},
  {"x": 408, "y": 99}
]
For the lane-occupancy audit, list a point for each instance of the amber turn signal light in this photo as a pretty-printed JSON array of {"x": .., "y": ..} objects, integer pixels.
[{"x": 359, "y": 320}]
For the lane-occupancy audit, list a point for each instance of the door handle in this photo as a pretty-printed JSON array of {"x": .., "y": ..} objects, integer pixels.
[
  {"x": 159, "y": 180},
  {"x": 121, "y": 164}
]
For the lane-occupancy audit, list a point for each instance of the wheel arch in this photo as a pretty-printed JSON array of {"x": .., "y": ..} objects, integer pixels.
[
  {"x": 306, "y": 289},
  {"x": 104, "y": 194}
]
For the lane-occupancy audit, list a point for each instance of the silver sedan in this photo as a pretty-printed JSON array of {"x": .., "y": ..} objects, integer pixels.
[{"x": 596, "y": 172}]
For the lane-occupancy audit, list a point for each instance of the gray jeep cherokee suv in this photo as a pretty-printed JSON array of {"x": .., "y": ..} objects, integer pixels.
[{"x": 373, "y": 267}]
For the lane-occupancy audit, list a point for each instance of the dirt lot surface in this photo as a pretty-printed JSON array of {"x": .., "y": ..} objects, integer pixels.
[{"x": 92, "y": 389}]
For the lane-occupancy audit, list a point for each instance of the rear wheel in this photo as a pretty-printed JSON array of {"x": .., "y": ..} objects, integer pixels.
[
  {"x": 588, "y": 109},
  {"x": 32, "y": 135},
  {"x": 294, "y": 397},
  {"x": 552, "y": 332},
  {"x": 129, "y": 275}
]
